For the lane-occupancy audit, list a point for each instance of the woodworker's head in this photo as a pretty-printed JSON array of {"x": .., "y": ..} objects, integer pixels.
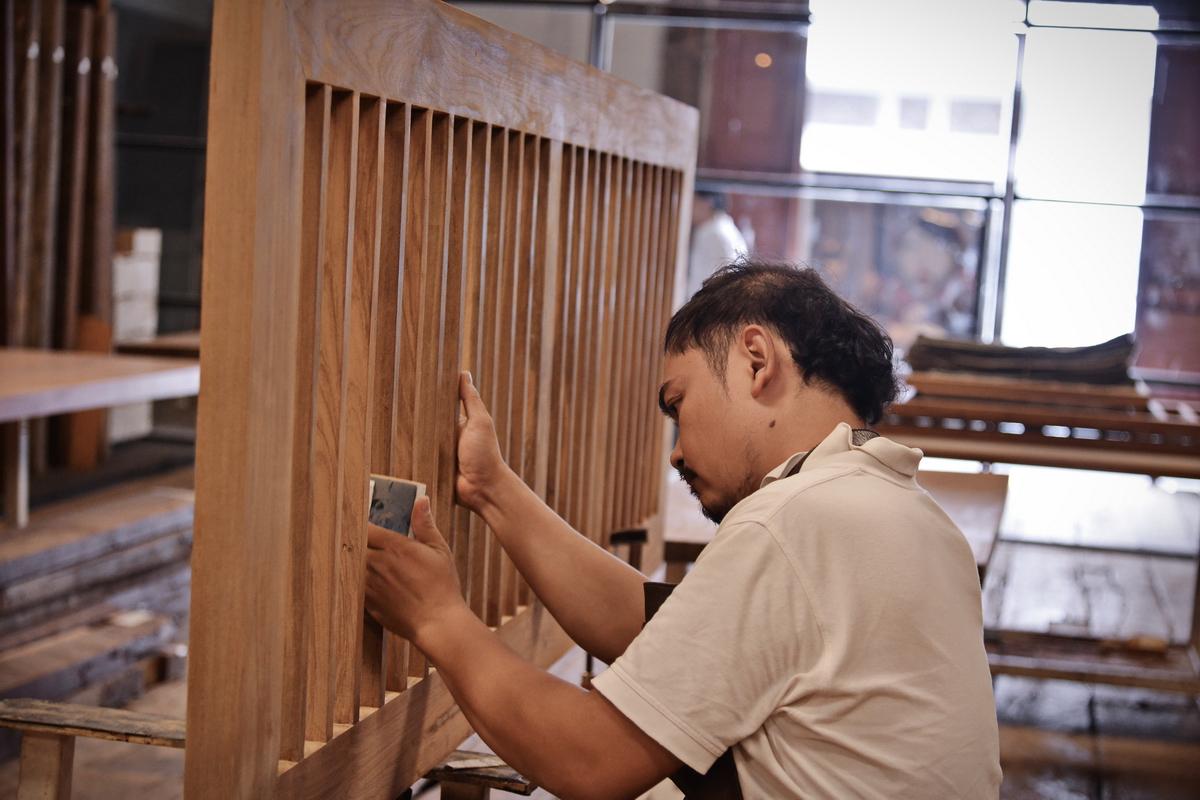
[{"x": 763, "y": 362}]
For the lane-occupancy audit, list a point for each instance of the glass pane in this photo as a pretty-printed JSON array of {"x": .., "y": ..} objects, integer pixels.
[
  {"x": 921, "y": 89},
  {"x": 1168, "y": 315},
  {"x": 912, "y": 267},
  {"x": 1175, "y": 122},
  {"x": 745, "y": 83},
  {"x": 1085, "y": 115},
  {"x": 569, "y": 31},
  {"x": 1072, "y": 274}
]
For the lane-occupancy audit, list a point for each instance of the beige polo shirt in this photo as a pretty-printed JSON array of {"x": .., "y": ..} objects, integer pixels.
[{"x": 831, "y": 634}]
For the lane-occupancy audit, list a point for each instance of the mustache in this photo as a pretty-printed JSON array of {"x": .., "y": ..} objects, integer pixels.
[{"x": 686, "y": 474}]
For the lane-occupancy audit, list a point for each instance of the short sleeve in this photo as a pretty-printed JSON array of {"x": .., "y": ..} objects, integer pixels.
[{"x": 720, "y": 655}]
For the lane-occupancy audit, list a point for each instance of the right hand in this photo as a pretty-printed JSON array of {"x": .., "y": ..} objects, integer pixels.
[{"x": 480, "y": 465}]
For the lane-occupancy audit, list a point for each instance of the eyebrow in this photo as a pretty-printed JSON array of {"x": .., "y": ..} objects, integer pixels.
[{"x": 662, "y": 399}]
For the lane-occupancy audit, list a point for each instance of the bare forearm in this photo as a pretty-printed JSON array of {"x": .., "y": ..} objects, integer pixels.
[
  {"x": 569, "y": 741},
  {"x": 595, "y": 596}
]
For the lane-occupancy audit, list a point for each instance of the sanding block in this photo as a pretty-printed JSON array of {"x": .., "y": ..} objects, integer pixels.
[{"x": 391, "y": 502}]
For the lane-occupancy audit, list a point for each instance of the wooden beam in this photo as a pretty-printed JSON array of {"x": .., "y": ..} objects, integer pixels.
[{"x": 46, "y": 764}]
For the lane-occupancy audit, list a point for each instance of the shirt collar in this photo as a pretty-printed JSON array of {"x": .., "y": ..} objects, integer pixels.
[{"x": 893, "y": 455}]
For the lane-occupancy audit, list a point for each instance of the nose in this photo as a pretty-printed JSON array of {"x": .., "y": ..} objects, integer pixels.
[{"x": 676, "y": 456}]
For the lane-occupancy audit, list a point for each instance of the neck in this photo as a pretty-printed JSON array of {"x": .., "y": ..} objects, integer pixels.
[{"x": 801, "y": 426}]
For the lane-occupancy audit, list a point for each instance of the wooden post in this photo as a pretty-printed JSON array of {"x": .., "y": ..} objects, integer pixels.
[
  {"x": 45, "y": 766},
  {"x": 16, "y": 473}
]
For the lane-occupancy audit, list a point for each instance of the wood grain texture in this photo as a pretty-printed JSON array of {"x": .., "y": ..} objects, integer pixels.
[
  {"x": 418, "y": 59},
  {"x": 249, "y": 315},
  {"x": 36, "y": 383},
  {"x": 69, "y": 719},
  {"x": 46, "y": 763},
  {"x": 359, "y": 359},
  {"x": 331, "y": 419},
  {"x": 438, "y": 223}
]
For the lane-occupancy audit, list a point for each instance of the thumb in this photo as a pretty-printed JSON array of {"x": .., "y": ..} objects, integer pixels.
[
  {"x": 472, "y": 402},
  {"x": 423, "y": 528}
]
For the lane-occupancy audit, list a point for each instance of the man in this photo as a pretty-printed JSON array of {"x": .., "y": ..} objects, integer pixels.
[
  {"x": 716, "y": 240},
  {"x": 830, "y": 636}
]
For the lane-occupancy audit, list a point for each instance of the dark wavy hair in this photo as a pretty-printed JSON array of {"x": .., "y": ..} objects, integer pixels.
[{"x": 830, "y": 340}]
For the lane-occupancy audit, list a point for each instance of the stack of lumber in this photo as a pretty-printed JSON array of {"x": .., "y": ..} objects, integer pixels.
[
  {"x": 57, "y": 194},
  {"x": 94, "y": 592},
  {"x": 1104, "y": 363}
]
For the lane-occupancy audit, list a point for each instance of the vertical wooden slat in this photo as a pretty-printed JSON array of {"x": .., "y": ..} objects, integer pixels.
[
  {"x": 428, "y": 408},
  {"x": 607, "y": 501},
  {"x": 8, "y": 183},
  {"x": 46, "y": 766},
  {"x": 592, "y": 484},
  {"x": 416, "y": 275},
  {"x": 298, "y": 628},
  {"x": 628, "y": 317},
  {"x": 649, "y": 463},
  {"x": 558, "y": 375},
  {"x": 454, "y": 334},
  {"x": 74, "y": 171},
  {"x": 392, "y": 446},
  {"x": 489, "y": 361},
  {"x": 356, "y": 453},
  {"x": 45, "y": 193},
  {"x": 674, "y": 213},
  {"x": 582, "y": 339},
  {"x": 330, "y": 427},
  {"x": 29, "y": 32},
  {"x": 401, "y": 182},
  {"x": 474, "y": 328}
]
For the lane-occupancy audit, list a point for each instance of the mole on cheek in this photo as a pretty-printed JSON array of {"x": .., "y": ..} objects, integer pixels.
[{"x": 772, "y": 425}]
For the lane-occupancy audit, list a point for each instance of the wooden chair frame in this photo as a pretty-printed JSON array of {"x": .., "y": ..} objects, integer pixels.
[{"x": 395, "y": 191}]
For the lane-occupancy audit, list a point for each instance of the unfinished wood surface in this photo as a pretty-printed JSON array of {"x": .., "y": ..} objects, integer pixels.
[
  {"x": 1046, "y": 589},
  {"x": 38, "y": 383},
  {"x": 182, "y": 344},
  {"x": 71, "y": 719},
  {"x": 481, "y": 770},
  {"x": 74, "y": 170},
  {"x": 975, "y": 503},
  {"x": 415, "y": 226},
  {"x": 46, "y": 763}
]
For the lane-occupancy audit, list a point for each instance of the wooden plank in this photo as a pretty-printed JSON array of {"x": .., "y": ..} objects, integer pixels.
[
  {"x": 329, "y": 443},
  {"x": 113, "y": 724},
  {"x": 29, "y": 32},
  {"x": 473, "y": 340},
  {"x": 359, "y": 358},
  {"x": 36, "y": 383},
  {"x": 994, "y": 387},
  {"x": 650, "y": 456},
  {"x": 385, "y": 753},
  {"x": 484, "y": 770},
  {"x": 181, "y": 344},
  {"x": 8, "y": 183},
  {"x": 500, "y": 280},
  {"x": 511, "y": 82},
  {"x": 557, "y": 374},
  {"x": 58, "y": 665},
  {"x": 15, "y": 436},
  {"x": 1043, "y": 589},
  {"x": 46, "y": 764},
  {"x": 100, "y": 208},
  {"x": 975, "y": 503},
  {"x": 172, "y": 548},
  {"x": 76, "y": 531},
  {"x": 43, "y": 237},
  {"x": 77, "y": 112},
  {"x": 249, "y": 314},
  {"x": 294, "y": 689},
  {"x": 1090, "y": 661}
]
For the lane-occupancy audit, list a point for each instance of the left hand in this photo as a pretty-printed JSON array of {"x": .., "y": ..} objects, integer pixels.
[{"x": 411, "y": 583}]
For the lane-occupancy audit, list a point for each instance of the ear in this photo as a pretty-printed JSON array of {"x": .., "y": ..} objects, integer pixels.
[{"x": 759, "y": 348}]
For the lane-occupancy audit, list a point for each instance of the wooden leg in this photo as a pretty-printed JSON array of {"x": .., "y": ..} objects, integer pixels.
[
  {"x": 464, "y": 791},
  {"x": 16, "y": 473},
  {"x": 675, "y": 571},
  {"x": 45, "y": 766}
]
